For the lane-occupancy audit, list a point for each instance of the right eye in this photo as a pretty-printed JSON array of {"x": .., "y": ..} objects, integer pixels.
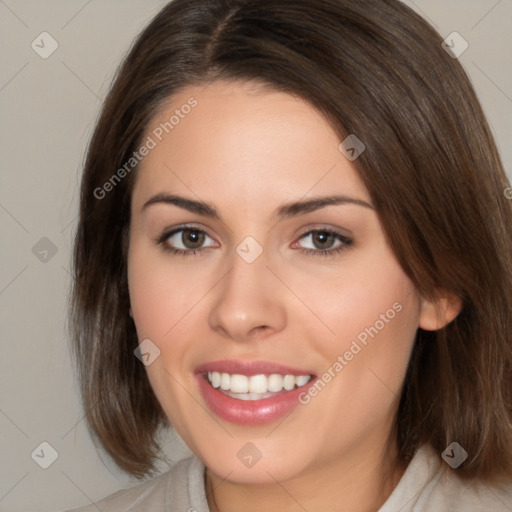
[{"x": 186, "y": 241}]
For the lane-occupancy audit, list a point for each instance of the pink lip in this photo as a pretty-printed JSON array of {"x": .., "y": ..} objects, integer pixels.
[{"x": 250, "y": 412}]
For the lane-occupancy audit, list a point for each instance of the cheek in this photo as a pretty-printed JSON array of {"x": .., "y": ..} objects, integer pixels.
[
  {"x": 366, "y": 360},
  {"x": 160, "y": 296},
  {"x": 365, "y": 297},
  {"x": 161, "y": 304},
  {"x": 369, "y": 315},
  {"x": 375, "y": 336}
]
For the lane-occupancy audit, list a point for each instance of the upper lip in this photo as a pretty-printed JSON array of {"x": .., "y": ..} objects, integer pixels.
[{"x": 250, "y": 368}]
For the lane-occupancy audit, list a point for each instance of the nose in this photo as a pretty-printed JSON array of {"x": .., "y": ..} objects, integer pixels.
[{"x": 247, "y": 303}]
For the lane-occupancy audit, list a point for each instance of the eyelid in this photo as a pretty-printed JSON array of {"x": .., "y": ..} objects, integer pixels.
[
  {"x": 344, "y": 242},
  {"x": 180, "y": 242},
  {"x": 344, "y": 233},
  {"x": 167, "y": 232}
]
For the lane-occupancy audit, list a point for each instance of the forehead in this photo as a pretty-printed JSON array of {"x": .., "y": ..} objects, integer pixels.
[{"x": 236, "y": 139}]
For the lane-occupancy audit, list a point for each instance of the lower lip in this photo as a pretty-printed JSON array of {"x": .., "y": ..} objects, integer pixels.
[{"x": 250, "y": 412}]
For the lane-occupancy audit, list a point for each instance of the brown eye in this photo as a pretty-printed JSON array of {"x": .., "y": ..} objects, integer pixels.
[
  {"x": 323, "y": 239},
  {"x": 192, "y": 238},
  {"x": 323, "y": 242},
  {"x": 186, "y": 240}
]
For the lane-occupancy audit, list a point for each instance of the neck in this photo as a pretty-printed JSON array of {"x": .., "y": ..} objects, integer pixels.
[{"x": 360, "y": 481}]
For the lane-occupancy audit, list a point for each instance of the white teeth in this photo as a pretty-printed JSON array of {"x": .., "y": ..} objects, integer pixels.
[
  {"x": 301, "y": 380},
  {"x": 239, "y": 383},
  {"x": 224, "y": 381},
  {"x": 275, "y": 382},
  {"x": 255, "y": 386},
  {"x": 289, "y": 382},
  {"x": 215, "y": 379},
  {"x": 258, "y": 384}
]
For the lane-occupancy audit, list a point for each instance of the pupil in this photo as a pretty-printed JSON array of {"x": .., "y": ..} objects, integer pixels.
[
  {"x": 323, "y": 240},
  {"x": 192, "y": 238}
]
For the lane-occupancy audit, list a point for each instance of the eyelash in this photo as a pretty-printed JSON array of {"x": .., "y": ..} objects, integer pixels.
[{"x": 345, "y": 242}]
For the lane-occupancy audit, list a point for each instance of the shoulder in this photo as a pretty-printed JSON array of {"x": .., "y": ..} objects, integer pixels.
[
  {"x": 456, "y": 494},
  {"x": 430, "y": 485},
  {"x": 170, "y": 491}
]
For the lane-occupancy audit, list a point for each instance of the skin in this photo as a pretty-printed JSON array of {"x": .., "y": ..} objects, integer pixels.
[{"x": 248, "y": 150}]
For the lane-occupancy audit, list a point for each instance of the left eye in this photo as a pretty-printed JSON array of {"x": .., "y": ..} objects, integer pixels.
[
  {"x": 323, "y": 240},
  {"x": 188, "y": 239}
]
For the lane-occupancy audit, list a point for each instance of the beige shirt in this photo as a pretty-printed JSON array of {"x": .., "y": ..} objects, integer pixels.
[{"x": 428, "y": 485}]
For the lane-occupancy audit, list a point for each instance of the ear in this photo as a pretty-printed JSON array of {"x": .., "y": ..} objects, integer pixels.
[{"x": 435, "y": 314}]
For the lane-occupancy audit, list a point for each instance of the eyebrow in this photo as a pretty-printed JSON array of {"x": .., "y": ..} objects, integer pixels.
[{"x": 288, "y": 210}]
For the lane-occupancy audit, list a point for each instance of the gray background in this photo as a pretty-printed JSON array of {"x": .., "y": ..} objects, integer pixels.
[{"x": 48, "y": 109}]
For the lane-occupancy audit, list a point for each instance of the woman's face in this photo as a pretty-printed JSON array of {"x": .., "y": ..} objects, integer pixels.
[{"x": 269, "y": 281}]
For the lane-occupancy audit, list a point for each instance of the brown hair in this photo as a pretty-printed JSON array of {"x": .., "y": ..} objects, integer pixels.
[{"x": 376, "y": 69}]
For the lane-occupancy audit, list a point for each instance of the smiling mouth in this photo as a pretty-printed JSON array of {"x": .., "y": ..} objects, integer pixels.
[{"x": 255, "y": 387}]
